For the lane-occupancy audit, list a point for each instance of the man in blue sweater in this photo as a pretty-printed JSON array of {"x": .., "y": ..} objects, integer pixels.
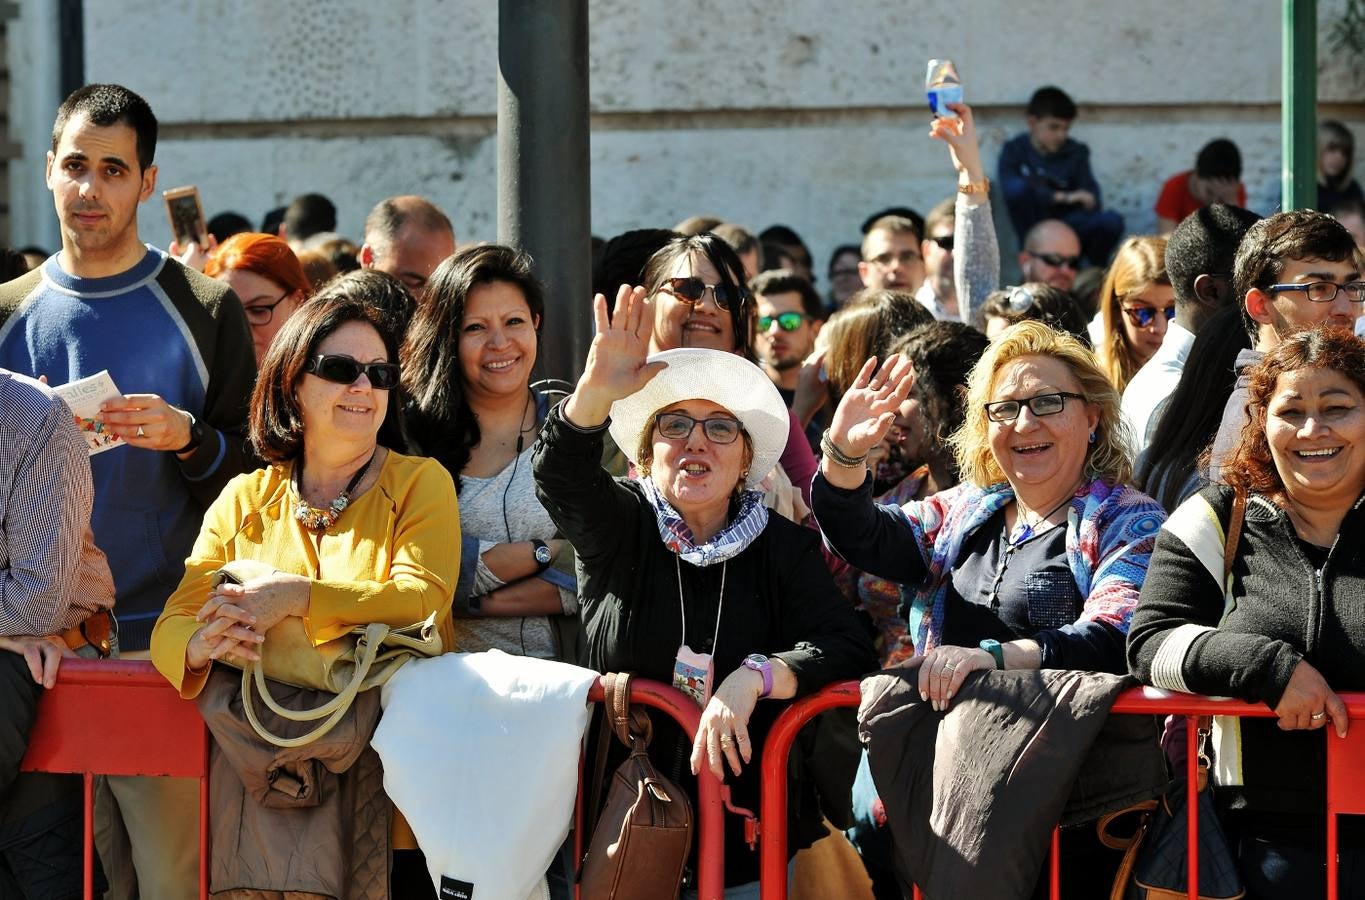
[
  {"x": 1046, "y": 175},
  {"x": 178, "y": 345}
]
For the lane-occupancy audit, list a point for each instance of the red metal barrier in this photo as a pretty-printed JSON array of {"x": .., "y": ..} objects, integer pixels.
[
  {"x": 710, "y": 809},
  {"x": 119, "y": 717},
  {"x": 1345, "y": 775}
]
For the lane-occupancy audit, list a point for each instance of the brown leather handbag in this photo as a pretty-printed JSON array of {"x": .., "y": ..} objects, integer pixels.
[{"x": 644, "y": 833}]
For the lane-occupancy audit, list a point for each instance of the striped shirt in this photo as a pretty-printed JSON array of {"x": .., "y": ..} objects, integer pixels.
[{"x": 52, "y": 576}]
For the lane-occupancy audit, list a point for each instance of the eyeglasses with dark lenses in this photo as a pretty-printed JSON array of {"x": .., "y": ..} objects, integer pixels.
[
  {"x": 787, "y": 321},
  {"x": 692, "y": 290},
  {"x": 262, "y": 313},
  {"x": 1057, "y": 261},
  {"x": 1143, "y": 316},
  {"x": 345, "y": 370},
  {"x": 945, "y": 242},
  {"x": 678, "y": 426},
  {"x": 1039, "y": 405},
  {"x": 1325, "y": 291}
]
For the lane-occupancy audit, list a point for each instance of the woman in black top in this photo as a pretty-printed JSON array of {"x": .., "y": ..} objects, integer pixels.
[
  {"x": 683, "y": 571},
  {"x": 1288, "y": 629}
]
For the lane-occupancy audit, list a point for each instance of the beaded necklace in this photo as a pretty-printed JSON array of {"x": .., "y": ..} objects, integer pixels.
[{"x": 319, "y": 520}]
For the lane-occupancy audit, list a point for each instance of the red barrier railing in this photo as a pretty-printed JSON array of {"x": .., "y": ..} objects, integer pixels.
[
  {"x": 119, "y": 717},
  {"x": 1345, "y": 775},
  {"x": 710, "y": 811}
]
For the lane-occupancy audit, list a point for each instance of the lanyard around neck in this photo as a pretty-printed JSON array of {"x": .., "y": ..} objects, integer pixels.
[{"x": 682, "y": 607}]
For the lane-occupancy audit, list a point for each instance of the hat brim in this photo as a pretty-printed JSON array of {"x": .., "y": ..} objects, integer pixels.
[{"x": 722, "y": 378}]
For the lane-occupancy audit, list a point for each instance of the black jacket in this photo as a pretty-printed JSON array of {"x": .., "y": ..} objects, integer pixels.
[
  {"x": 779, "y": 600},
  {"x": 1282, "y": 609}
]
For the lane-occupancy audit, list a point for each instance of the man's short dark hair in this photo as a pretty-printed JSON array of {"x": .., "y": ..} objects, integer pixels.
[
  {"x": 307, "y": 215},
  {"x": 786, "y": 237},
  {"x": 1204, "y": 243},
  {"x": 226, "y": 224},
  {"x": 1219, "y": 158},
  {"x": 943, "y": 211},
  {"x": 786, "y": 281},
  {"x": 1269, "y": 243},
  {"x": 623, "y": 258},
  {"x": 903, "y": 212},
  {"x": 110, "y": 104},
  {"x": 1051, "y": 102},
  {"x": 892, "y": 225},
  {"x": 1344, "y": 206}
]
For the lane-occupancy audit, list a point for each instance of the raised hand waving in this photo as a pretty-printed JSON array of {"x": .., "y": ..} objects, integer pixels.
[{"x": 616, "y": 365}]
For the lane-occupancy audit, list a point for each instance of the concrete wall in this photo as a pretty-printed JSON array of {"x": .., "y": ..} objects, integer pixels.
[{"x": 805, "y": 112}]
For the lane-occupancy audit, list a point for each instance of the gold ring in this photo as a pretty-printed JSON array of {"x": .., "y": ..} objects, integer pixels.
[
  {"x": 1318, "y": 715},
  {"x": 725, "y": 738},
  {"x": 140, "y": 432}
]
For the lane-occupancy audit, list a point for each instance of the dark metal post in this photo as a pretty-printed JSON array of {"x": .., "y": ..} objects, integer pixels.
[
  {"x": 543, "y": 184},
  {"x": 1299, "y": 80}
]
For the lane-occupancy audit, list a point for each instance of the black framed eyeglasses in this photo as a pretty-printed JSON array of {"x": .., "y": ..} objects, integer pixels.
[
  {"x": 1143, "y": 316},
  {"x": 1324, "y": 291},
  {"x": 787, "y": 321},
  {"x": 345, "y": 370},
  {"x": 678, "y": 426},
  {"x": 1057, "y": 261},
  {"x": 261, "y": 314},
  {"x": 692, "y": 290},
  {"x": 1039, "y": 405}
]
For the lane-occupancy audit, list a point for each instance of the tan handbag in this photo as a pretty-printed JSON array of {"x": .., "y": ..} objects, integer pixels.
[
  {"x": 366, "y": 657},
  {"x": 644, "y": 834}
]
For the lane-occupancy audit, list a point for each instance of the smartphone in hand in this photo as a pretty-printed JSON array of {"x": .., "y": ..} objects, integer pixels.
[{"x": 186, "y": 215}]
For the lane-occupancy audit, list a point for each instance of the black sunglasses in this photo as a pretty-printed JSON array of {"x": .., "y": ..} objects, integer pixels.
[
  {"x": 345, "y": 370},
  {"x": 1057, "y": 261},
  {"x": 945, "y": 242},
  {"x": 1143, "y": 316},
  {"x": 693, "y": 290}
]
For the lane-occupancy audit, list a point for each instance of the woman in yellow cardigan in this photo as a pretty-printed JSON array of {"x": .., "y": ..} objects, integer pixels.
[{"x": 357, "y": 531}]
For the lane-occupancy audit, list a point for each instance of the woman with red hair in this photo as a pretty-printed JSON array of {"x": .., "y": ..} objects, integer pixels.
[{"x": 267, "y": 277}]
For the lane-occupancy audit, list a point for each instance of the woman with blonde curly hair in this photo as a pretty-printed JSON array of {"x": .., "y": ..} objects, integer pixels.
[{"x": 1137, "y": 302}]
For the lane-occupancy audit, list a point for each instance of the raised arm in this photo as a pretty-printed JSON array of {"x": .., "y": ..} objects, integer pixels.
[{"x": 976, "y": 252}]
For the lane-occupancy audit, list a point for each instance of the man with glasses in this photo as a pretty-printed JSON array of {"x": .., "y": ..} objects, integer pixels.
[
  {"x": 1199, "y": 256},
  {"x": 938, "y": 293},
  {"x": 177, "y": 344},
  {"x": 789, "y": 317},
  {"x": 892, "y": 259},
  {"x": 1294, "y": 270},
  {"x": 1051, "y": 254}
]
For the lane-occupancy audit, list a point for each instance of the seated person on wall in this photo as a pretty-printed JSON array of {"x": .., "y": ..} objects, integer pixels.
[
  {"x": 1286, "y": 628},
  {"x": 1051, "y": 253},
  {"x": 685, "y": 576},
  {"x": 355, "y": 532},
  {"x": 1045, "y": 174},
  {"x": 1215, "y": 178},
  {"x": 55, "y": 596},
  {"x": 1034, "y": 561}
]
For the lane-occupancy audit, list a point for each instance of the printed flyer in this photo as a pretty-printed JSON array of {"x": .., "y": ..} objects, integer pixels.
[{"x": 84, "y": 397}]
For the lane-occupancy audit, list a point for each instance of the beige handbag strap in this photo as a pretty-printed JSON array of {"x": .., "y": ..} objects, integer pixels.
[{"x": 333, "y": 710}]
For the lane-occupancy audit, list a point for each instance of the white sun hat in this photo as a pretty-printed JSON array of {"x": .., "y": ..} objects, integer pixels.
[{"x": 722, "y": 378}]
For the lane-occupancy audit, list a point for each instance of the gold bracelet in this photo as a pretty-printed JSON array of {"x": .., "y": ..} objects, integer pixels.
[{"x": 975, "y": 187}]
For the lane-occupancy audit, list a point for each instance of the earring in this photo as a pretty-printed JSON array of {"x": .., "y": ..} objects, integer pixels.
[{"x": 1092, "y": 437}]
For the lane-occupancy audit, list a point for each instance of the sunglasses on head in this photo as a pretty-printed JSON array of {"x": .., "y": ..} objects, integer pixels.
[
  {"x": 1057, "y": 261},
  {"x": 678, "y": 426},
  {"x": 1143, "y": 316},
  {"x": 345, "y": 370},
  {"x": 787, "y": 321},
  {"x": 693, "y": 289}
]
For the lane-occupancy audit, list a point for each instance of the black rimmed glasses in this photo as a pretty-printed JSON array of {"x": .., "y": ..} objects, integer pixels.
[
  {"x": 1143, "y": 316},
  {"x": 787, "y": 321},
  {"x": 261, "y": 314},
  {"x": 1039, "y": 405},
  {"x": 692, "y": 290},
  {"x": 678, "y": 426},
  {"x": 345, "y": 370},
  {"x": 1324, "y": 291}
]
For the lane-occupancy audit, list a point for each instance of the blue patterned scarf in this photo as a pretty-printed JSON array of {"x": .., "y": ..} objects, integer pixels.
[{"x": 725, "y": 544}]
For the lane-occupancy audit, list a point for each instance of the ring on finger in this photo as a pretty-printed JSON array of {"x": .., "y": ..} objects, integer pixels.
[
  {"x": 140, "y": 432},
  {"x": 1317, "y": 716},
  {"x": 725, "y": 739}
]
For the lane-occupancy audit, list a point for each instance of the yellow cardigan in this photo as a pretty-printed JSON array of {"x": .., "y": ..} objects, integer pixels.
[{"x": 392, "y": 557}]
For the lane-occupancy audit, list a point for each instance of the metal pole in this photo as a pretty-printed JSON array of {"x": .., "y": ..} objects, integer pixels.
[
  {"x": 1299, "y": 79},
  {"x": 543, "y": 184}
]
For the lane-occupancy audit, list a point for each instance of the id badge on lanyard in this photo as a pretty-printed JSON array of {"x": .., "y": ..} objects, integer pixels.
[{"x": 693, "y": 674}]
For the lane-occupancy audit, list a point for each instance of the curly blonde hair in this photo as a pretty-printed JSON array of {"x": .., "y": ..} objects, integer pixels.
[{"x": 1108, "y": 456}]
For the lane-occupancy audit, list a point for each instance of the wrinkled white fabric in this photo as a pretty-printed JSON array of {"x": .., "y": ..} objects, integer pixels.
[{"x": 480, "y": 754}]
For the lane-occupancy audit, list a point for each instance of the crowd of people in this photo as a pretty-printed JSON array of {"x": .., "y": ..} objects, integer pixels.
[{"x": 1145, "y": 458}]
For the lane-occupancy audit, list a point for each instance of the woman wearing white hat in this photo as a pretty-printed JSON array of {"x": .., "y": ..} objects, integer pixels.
[{"x": 685, "y": 577}]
